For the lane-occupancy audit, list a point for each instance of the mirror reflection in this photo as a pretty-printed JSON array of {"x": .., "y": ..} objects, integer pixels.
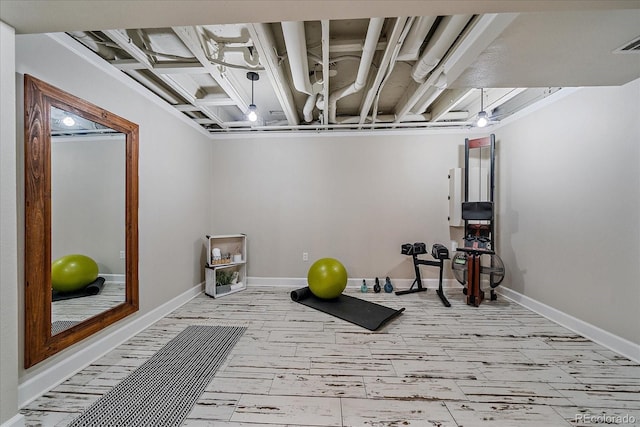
[{"x": 88, "y": 182}]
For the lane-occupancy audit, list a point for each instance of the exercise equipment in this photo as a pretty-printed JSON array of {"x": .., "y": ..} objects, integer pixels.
[
  {"x": 367, "y": 314},
  {"x": 363, "y": 287},
  {"x": 388, "y": 287},
  {"x": 376, "y": 287},
  {"x": 477, "y": 256},
  {"x": 93, "y": 288},
  {"x": 439, "y": 252},
  {"x": 327, "y": 278},
  {"x": 73, "y": 272}
]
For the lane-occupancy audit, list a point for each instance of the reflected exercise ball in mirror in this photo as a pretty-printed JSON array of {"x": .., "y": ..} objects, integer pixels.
[{"x": 73, "y": 272}]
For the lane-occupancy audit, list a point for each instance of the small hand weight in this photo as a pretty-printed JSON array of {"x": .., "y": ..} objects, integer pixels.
[
  {"x": 376, "y": 287},
  {"x": 388, "y": 287}
]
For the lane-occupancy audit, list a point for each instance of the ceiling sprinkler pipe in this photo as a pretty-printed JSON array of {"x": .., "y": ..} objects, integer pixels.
[{"x": 369, "y": 49}]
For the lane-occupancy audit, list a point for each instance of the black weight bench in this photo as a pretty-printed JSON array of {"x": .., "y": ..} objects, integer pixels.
[{"x": 440, "y": 253}]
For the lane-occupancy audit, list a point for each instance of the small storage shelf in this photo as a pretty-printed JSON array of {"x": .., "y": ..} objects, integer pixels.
[{"x": 226, "y": 266}]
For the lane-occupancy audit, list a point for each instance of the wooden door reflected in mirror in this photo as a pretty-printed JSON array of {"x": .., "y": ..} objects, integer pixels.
[{"x": 81, "y": 198}]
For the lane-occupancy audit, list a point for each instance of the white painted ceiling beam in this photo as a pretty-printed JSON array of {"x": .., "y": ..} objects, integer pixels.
[
  {"x": 483, "y": 31},
  {"x": 264, "y": 43},
  {"x": 179, "y": 68},
  {"x": 127, "y": 64},
  {"x": 449, "y": 100},
  {"x": 228, "y": 83}
]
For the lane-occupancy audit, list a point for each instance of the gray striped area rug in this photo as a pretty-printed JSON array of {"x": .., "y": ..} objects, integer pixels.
[
  {"x": 62, "y": 325},
  {"x": 162, "y": 391}
]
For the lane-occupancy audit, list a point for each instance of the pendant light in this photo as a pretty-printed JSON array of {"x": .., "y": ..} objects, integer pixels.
[
  {"x": 482, "y": 119},
  {"x": 252, "y": 115}
]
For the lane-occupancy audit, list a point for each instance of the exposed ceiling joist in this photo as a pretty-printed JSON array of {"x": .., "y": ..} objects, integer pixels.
[
  {"x": 124, "y": 42},
  {"x": 264, "y": 43},
  {"x": 226, "y": 81},
  {"x": 448, "y": 102}
]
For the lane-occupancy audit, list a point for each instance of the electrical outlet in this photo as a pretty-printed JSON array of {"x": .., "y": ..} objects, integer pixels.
[
  {"x": 121, "y": 254},
  {"x": 454, "y": 246},
  {"x": 305, "y": 256}
]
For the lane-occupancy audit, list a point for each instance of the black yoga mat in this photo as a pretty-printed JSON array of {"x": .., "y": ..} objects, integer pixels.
[
  {"x": 363, "y": 313},
  {"x": 93, "y": 288}
]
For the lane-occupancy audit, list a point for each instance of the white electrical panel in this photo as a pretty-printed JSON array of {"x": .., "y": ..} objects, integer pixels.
[{"x": 455, "y": 197}]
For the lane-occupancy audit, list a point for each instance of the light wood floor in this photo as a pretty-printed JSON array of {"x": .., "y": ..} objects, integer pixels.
[{"x": 495, "y": 365}]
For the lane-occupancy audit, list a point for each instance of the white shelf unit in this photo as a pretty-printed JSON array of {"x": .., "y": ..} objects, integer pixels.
[{"x": 226, "y": 256}]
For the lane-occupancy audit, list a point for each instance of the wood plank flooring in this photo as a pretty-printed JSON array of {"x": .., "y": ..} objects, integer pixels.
[{"x": 495, "y": 365}]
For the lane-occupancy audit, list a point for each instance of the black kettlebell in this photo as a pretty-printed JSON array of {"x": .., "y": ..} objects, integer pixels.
[{"x": 376, "y": 287}]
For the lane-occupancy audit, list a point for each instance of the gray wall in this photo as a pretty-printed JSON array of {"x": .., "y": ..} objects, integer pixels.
[
  {"x": 8, "y": 230},
  {"x": 174, "y": 174},
  {"x": 569, "y": 193},
  {"x": 354, "y": 198}
]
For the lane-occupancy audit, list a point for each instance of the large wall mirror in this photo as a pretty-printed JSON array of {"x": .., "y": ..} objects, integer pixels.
[{"x": 81, "y": 219}]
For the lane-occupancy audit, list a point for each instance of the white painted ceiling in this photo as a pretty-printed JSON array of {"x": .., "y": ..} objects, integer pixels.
[{"x": 425, "y": 67}]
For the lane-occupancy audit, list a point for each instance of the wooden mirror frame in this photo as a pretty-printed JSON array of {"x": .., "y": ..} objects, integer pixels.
[{"x": 39, "y": 97}]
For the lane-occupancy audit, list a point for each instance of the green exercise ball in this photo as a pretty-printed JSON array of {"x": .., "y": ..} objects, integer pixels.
[
  {"x": 73, "y": 272},
  {"x": 327, "y": 278}
]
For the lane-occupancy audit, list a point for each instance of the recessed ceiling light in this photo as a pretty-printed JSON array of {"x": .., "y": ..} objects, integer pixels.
[{"x": 68, "y": 121}]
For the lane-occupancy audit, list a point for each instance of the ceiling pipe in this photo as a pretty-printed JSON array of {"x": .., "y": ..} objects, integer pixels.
[
  {"x": 324, "y": 117},
  {"x": 419, "y": 31},
  {"x": 485, "y": 29},
  {"x": 296, "y": 45},
  {"x": 347, "y": 127},
  {"x": 100, "y": 48},
  {"x": 435, "y": 89},
  {"x": 443, "y": 38},
  {"x": 384, "y": 118},
  {"x": 368, "y": 50},
  {"x": 400, "y": 30}
]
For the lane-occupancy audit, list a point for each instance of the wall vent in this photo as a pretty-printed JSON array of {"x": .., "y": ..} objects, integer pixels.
[{"x": 632, "y": 47}]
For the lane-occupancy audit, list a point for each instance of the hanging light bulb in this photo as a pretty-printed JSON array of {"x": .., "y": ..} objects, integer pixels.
[
  {"x": 252, "y": 114},
  {"x": 482, "y": 119}
]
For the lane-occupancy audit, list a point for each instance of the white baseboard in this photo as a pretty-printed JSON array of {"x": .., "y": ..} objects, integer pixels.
[
  {"x": 113, "y": 277},
  {"x": 15, "y": 421},
  {"x": 44, "y": 381},
  {"x": 299, "y": 282},
  {"x": 613, "y": 342}
]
